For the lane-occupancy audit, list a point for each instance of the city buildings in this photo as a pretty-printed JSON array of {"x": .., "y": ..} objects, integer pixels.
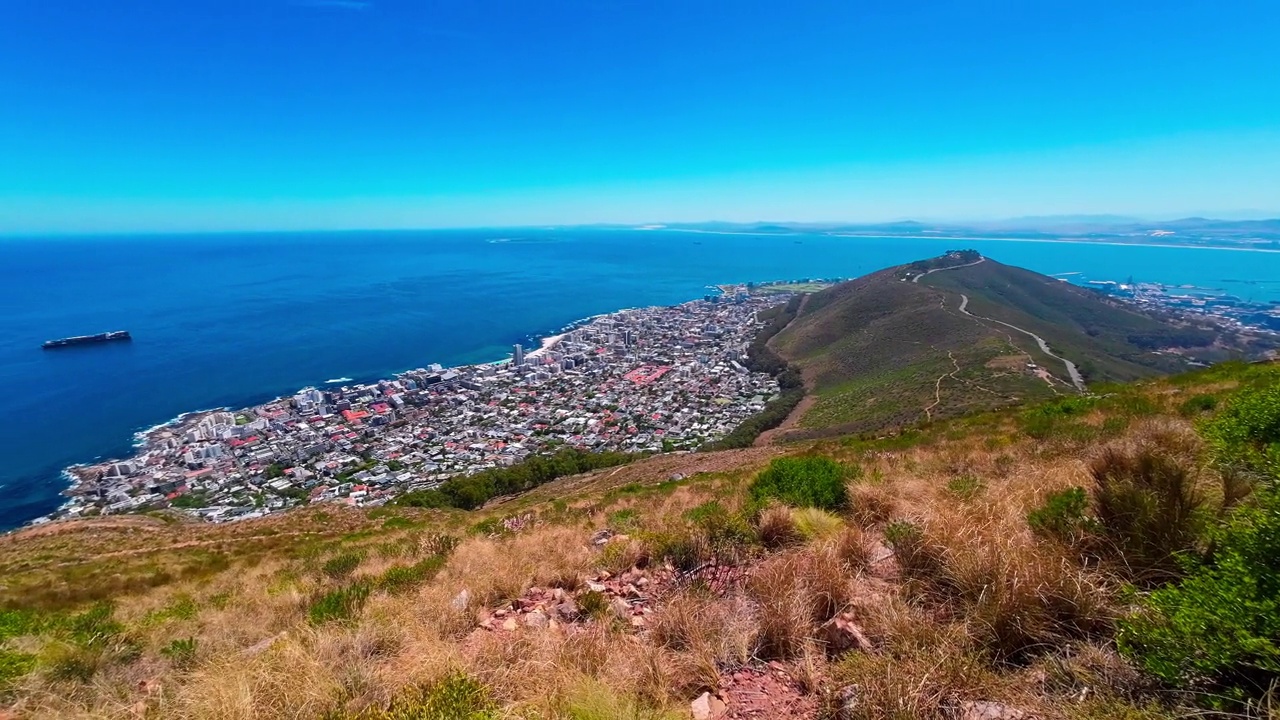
[{"x": 643, "y": 380}]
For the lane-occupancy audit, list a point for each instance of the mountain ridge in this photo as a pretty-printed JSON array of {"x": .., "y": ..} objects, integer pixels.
[{"x": 962, "y": 332}]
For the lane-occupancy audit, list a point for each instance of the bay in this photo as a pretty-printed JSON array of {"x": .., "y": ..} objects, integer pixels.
[{"x": 236, "y": 319}]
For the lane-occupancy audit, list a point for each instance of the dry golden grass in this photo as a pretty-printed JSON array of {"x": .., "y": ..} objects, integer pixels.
[
  {"x": 973, "y": 605},
  {"x": 777, "y": 527}
]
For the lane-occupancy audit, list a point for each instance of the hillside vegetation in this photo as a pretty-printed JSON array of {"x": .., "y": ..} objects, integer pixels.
[
  {"x": 941, "y": 337},
  {"x": 1100, "y": 556}
]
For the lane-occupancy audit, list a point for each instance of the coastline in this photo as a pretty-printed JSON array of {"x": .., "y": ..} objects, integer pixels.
[
  {"x": 140, "y": 438},
  {"x": 966, "y": 238}
]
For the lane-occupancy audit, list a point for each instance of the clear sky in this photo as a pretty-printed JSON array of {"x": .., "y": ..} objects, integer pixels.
[{"x": 266, "y": 114}]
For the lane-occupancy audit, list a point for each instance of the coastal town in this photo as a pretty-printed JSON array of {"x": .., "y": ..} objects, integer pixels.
[{"x": 641, "y": 380}]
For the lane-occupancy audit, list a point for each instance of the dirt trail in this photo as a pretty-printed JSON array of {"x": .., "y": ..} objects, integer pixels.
[
  {"x": 1076, "y": 378},
  {"x": 793, "y": 419},
  {"x": 937, "y": 386},
  {"x": 916, "y": 279}
]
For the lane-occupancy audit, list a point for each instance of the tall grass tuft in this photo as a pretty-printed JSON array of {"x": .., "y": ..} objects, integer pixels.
[{"x": 1149, "y": 506}]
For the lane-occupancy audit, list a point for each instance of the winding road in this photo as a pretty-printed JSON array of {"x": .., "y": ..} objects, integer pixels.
[{"x": 1076, "y": 378}]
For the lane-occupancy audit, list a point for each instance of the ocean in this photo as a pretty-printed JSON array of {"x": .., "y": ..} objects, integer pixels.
[{"x": 237, "y": 319}]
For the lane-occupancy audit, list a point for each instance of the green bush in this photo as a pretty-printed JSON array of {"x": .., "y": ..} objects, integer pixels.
[
  {"x": 965, "y": 487},
  {"x": 721, "y": 527},
  {"x": 181, "y": 652},
  {"x": 1246, "y": 434},
  {"x": 340, "y": 566},
  {"x": 1198, "y": 405},
  {"x": 456, "y": 697},
  {"x": 1220, "y": 626},
  {"x": 593, "y": 604},
  {"x": 1064, "y": 515},
  {"x": 1058, "y": 418},
  {"x": 915, "y": 557},
  {"x": 624, "y": 520},
  {"x": 808, "y": 481},
  {"x": 1148, "y": 506},
  {"x": 13, "y": 665},
  {"x": 341, "y": 604},
  {"x": 684, "y": 550},
  {"x": 407, "y": 577}
]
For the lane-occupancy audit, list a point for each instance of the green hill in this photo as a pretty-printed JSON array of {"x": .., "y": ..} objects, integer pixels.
[{"x": 949, "y": 335}]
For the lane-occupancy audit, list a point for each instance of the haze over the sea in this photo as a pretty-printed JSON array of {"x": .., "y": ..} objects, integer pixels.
[{"x": 230, "y": 320}]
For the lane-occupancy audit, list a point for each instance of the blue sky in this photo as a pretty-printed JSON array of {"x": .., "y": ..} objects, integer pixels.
[{"x": 269, "y": 114}]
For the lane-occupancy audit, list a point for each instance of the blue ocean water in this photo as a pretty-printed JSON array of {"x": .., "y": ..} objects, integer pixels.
[{"x": 231, "y": 320}]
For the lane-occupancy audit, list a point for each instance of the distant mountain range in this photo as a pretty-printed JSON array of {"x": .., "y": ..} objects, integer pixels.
[
  {"x": 1188, "y": 231},
  {"x": 942, "y": 337}
]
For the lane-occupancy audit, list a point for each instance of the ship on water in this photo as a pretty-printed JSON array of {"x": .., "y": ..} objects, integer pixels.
[{"x": 87, "y": 339}]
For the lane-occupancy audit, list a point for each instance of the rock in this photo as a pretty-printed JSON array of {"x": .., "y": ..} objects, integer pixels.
[
  {"x": 604, "y": 575},
  {"x": 568, "y": 610},
  {"x": 536, "y": 620},
  {"x": 461, "y": 600},
  {"x": 847, "y": 699},
  {"x": 601, "y": 537},
  {"x": 621, "y": 608},
  {"x": 986, "y": 710},
  {"x": 638, "y": 621},
  {"x": 256, "y": 648},
  {"x": 707, "y": 707},
  {"x": 510, "y": 624},
  {"x": 594, "y": 586},
  {"x": 642, "y": 582},
  {"x": 559, "y": 595},
  {"x": 842, "y": 635},
  {"x": 500, "y": 613}
]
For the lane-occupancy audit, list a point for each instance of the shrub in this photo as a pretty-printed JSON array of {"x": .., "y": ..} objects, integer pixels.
[
  {"x": 1221, "y": 624},
  {"x": 1148, "y": 505},
  {"x": 624, "y": 520},
  {"x": 809, "y": 481},
  {"x": 340, "y": 566},
  {"x": 965, "y": 487},
  {"x": 1246, "y": 433},
  {"x": 593, "y": 604},
  {"x": 685, "y": 551},
  {"x": 814, "y": 523},
  {"x": 1063, "y": 516},
  {"x": 777, "y": 528},
  {"x": 456, "y": 697},
  {"x": 181, "y": 652},
  {"x": 852, "y": 547},
  {"x": 13, "y": 665},
  {"x": 915, "y": 557},
  {"x": 600, "y": 703},
  {"x": 1057, "y": 418},
  {"x": 341, "y": 604},
  {"x": 1198, "y": 405},
  {"x": 721, "y": 528},
  {"x": 406, "y": 577}
]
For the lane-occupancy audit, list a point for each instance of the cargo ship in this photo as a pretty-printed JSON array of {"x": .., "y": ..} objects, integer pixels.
[{"x": 87, "y": 339}]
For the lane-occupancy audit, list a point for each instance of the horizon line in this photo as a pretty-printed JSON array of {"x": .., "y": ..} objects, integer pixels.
[{"x": 1060, "y": 220}]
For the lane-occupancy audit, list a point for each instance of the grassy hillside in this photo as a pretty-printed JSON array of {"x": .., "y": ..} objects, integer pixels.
[
  {"x": 893, "y": 348},
  {"x": 1108, "y": 339},
  {"x": 1019, "y": 560}
]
